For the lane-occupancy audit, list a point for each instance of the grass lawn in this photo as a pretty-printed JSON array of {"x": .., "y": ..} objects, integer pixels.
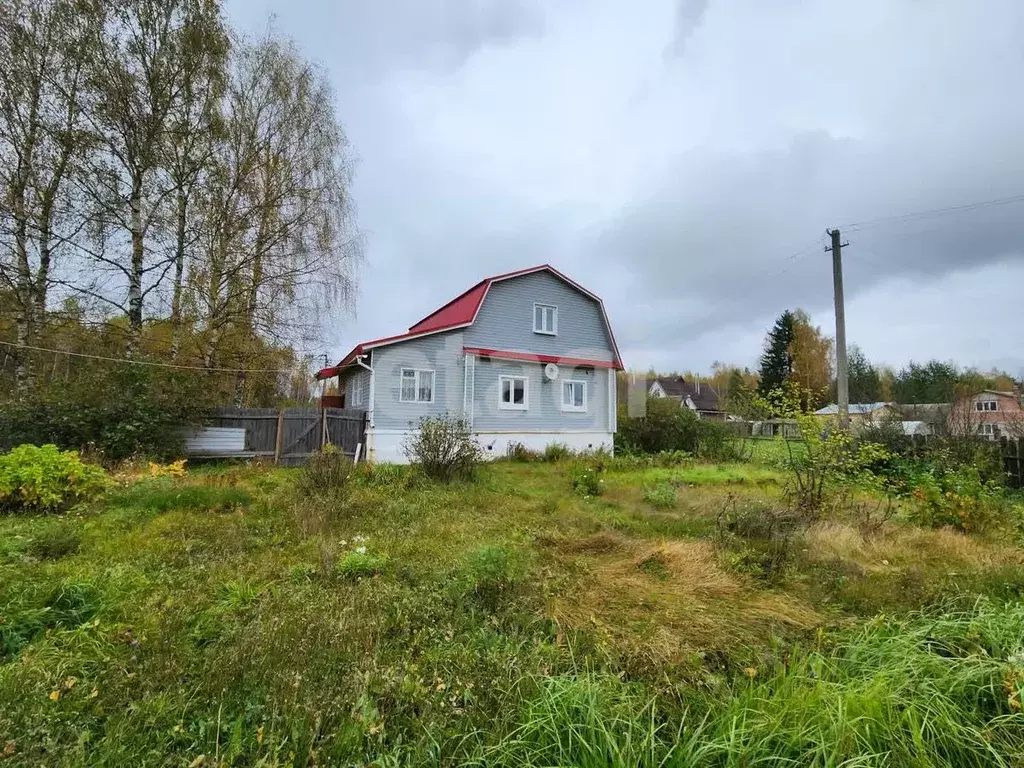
[{"x": 226, "y": 618}]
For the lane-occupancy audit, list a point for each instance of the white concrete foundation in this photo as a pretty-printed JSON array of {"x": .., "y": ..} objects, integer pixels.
[{"x": 386, "y": 445}]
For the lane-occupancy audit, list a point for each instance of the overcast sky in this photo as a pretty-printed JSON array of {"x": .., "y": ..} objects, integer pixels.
[{"x": 682, "y": 158}]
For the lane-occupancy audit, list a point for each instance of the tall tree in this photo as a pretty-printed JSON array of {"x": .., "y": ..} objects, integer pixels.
[
  {"x": 43, "y": 47},
  {"x": 932, "y": 382},
  {"x": 151, "y": 56},
  {"x": 811, "y": 353},
  {"x": 279, "y": 235},
  {"x": 777, "y": 360},
  {"x": 865, "y": 382}
]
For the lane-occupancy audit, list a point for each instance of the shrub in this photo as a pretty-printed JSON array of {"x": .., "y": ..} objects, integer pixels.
[
  {"x": 586, "y": 480},
  {"x": 46, "y": 479},
  {"x": 444, "y": 448},
  {"x": 327, "y": 471},
  {"x": 123, "y": 412},
  {"x": 959, "y": 498},
  {"x": 664, "y": 427},
  {"x": 516, "y": 451},
  {"x": 556, "y": 452},
  {"x": 662, "y": 496}
]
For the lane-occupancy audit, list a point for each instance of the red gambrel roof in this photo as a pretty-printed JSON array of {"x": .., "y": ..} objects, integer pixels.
[{"x": 461, "y": 312}]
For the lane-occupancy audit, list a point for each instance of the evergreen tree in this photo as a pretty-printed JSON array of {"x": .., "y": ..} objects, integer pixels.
[
  {"x": 777, "y": 360},
  {"x": 864, "y": 380}
]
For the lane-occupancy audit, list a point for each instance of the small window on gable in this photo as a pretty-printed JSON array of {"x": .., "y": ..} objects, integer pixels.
[
  {"x": 513, "y": 393},
  {"x": 574, "y": 395},
  {"x": 417, "y": 386},
  {"x": 545, "y": 319}
]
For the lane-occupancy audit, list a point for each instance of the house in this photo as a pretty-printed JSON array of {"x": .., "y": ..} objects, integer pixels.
[
  {"x": 698, "y": 397},
  {"x": 928, "y": 418},
  {"x": 527, "y": 357},
  {"x": 990, "y": 414},
  {"x": 863, "y": 413}
]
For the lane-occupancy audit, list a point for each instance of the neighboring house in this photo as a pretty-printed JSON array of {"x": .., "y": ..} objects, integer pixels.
[
  {"x": 990, "y": 413},
  {"x": 933, "y": 416},
  {"x": 527, "y": 357},
  {"x": 701, "y": 398},
  {"x": 863, "y": 413}
]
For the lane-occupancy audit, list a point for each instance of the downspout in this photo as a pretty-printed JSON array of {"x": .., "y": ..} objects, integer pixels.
[
  {"x": 369, "y": 405},
  {"x": 369, "y": 451}
]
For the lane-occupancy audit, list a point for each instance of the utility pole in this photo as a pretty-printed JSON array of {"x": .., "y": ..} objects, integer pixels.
[{"x": 842, "y": 379}]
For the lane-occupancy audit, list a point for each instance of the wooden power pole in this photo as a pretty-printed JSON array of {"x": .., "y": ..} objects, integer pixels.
[{"x": 842, "y": 377}]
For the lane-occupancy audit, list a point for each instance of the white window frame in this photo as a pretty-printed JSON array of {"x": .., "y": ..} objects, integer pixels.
[
  {"x": 416, "y": 377},
  {"x": 984, "y": 406},
  {"x": 356, "y": 396},
  {"x": 987, "y": 429},
  {"x": 570, "y": 407},
  {"x": 554, "y": 319},
  {"x": 502, "y": 405}
]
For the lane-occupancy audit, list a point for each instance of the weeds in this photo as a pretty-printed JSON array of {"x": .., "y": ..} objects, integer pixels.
[
  {"x": 444, "y": 448},
  {"x": 662, "y": 495}
]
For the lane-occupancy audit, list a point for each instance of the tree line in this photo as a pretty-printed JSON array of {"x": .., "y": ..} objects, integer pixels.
[
  {"x": 170, "y": 190},
  {"x": 797, "y": 352}
]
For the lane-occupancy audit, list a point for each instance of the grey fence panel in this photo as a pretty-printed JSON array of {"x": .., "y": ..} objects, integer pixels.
[{"x": 292, "y": 435}]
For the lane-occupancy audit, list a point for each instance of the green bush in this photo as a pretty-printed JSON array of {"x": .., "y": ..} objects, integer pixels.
[
  {"x": 46, "y": 479},
  {"x": 492, "y": 571},
  {"x": 959, "y": 498},
  {"x": 662, "y": 496},
  {"x": 586, "y": 480},
  {"x": 667, "y": 427},
  {"x": 327, "y": 471},
  {"x": 444, "y": 448},
  {"x": 118, "y": 413},
  {"x": 664, "y": 427}
]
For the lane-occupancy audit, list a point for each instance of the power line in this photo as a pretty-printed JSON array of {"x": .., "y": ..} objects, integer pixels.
[
  {"x": 147, "y": 362},
  {"x": 913, "y": 216}
]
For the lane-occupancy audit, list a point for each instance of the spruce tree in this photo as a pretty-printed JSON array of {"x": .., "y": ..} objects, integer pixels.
[{"x": 777, "y": 360}]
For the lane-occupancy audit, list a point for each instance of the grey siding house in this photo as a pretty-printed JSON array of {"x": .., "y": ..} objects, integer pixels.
[{"x": 527, "y": 357}]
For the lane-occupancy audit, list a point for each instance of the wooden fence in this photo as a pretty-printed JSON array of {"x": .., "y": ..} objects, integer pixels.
[{"x": 290, "y": 435}]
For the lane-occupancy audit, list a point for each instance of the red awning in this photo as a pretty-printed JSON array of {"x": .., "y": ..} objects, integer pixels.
[{"x": 327, "y": 373}]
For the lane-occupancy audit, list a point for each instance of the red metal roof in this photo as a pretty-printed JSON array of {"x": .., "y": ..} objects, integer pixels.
[{"x": 460, "y": 312}]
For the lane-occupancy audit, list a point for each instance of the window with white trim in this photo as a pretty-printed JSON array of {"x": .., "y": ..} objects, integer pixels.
[
  {"x": 545, "y": 319},
  {"x": 987, "y": 430},
  {"x": 417, "y": 386},
  {"x": 986, "y": 405},
  {"x": 513, "y": 393},
  {"x": 356, "y": 398},
  {"x": 574, "y": 395}
]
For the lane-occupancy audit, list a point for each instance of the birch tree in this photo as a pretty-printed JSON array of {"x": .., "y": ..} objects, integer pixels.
[
  {"x": 152, "y": 58},
  {"x": 44, "y": 45}
]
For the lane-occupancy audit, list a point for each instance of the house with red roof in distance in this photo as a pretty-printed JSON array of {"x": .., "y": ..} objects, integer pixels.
[{"x": 526, "y": 357}]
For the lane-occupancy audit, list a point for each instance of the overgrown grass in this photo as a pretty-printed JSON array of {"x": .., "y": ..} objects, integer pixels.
[{"x": 504, "y": 621}]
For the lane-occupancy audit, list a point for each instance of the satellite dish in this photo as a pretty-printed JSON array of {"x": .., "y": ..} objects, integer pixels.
[{"x": 550, "y": 371}]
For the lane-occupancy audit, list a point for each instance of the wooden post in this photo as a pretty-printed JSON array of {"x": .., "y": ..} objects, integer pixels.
[
  {"x": 279, "y": 439},
  {"x": 325, "y": 438}
]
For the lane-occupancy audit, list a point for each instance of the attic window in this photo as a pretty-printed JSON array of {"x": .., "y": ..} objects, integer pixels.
[
  {"x": 986, "y": 405},
  {"x": 545, "y": 319}
]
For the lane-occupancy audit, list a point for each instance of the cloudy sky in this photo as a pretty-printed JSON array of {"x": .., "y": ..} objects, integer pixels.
[{"x": 683, "y": 159}]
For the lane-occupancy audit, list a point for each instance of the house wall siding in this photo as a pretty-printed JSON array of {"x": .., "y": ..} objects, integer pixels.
[
  {"x": 505, "y": 321},
  {"x": 442, "y": 353},
  {"x": 544, "y": 397},
  {"x": 358, "y": 378}
]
